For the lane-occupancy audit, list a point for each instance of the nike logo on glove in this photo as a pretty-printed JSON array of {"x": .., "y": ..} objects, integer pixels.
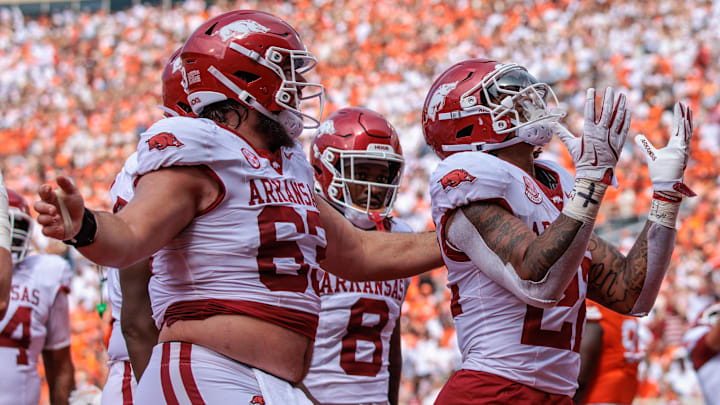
[
  {"x": 288, "y": 155},
  {"x": 594, "y": 162}
]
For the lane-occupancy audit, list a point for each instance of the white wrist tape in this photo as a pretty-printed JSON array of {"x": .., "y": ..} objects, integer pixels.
[
  {"x": 664, "y": 209},
  {"x": 67, "y": 221},
  {"x": 661, "y": 241},
  {"x": 545, "y": 293},
  {"x": 584, "y": 201},
  {"x": 5, "y": 231}
]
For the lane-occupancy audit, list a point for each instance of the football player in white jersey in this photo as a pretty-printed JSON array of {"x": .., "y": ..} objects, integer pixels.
[
  {"x": 516, "y": 232},
  {"x": 133, "y": 331},
  {"x": 37, "y": 319},
  {"x": 134, "y": 335},
  {"x": 224, "y": 204},
  {"x": 702, "y": 342},
  {"x": 5, "y": 243},
  {"x": 357, "y": 357}
]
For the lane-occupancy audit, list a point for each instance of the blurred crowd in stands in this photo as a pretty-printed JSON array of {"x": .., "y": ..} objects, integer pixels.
[{"x": 78, "y": 87}]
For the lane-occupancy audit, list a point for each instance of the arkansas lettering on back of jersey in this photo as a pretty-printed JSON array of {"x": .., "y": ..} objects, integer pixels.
[
  {"x": 260, "y": 241},
  {"x": 498, "y": 333},
  {"x": 351, "y": 352}
]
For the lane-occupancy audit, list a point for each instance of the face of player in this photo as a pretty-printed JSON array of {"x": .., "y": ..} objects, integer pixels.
[
  {"x": 295, "y": 101},
  {"x": 529, "y": 103},
  {"x": 370, "y": 172}
]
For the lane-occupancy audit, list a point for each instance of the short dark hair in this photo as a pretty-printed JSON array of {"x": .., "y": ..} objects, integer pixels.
[{"x": 217, "y": 111}]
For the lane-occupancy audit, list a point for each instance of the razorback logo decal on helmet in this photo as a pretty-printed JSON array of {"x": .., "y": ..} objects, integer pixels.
[
  {"x": 531, "y": 191},
  {"x": 327, "y": 127},
  {"x": 163, "y": 140},
  {"x": 240, "y": 29},
  {"x": 437, "y": 101},
  {"x": 455, "y": 178},
  {"x": 257, "y": 399},
  {"x": 176, "y": 65}
]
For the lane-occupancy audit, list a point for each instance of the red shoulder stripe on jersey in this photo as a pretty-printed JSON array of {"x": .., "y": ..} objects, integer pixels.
[
  {"x": 127, "y": 384},
  {"x": 186, "y": 375},
  {"x": 165, "y": 381},
  {"x": 450, "y": 252},
  {"x": 701, "y": 353},
  {"x": 220, "y": 196}
]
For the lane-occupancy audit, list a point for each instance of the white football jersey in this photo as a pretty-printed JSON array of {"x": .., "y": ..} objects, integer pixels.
[
  {"x": 117, "y": 348},
  {"x": 255, "y": 250},
  {"x": 35, "y": 321},
  {"x": 705, "y": 361},
  {"x": 497, "y": 333},
  {"x": 351, "y": 353},
  {"x": 121, "y": 193}
]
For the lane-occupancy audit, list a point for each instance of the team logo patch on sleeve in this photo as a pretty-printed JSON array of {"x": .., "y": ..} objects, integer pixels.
[
  {"x": 531, "y": 191},
  {"x": 163, "y": 140},
  {"x": 257, "y": 399},
  {"x": 251, "y": 158},
  {"x": 455, "y": 178}
]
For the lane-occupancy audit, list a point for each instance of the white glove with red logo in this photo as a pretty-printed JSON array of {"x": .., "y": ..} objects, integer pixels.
[
  {"x": 596, "y": 152},
  {"x": 667, "y": 165}
]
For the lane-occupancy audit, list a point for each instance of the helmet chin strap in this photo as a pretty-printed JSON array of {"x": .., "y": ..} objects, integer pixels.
[
  {"x": 365, "y": 221},
  {"x": 537, "y": 134},
  {"x": 289, "y": 120}
]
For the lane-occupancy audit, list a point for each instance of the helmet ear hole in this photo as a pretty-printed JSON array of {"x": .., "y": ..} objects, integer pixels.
[
  {"x": 185, "y": 107},
  {"x": 465, "y": 132},
  {"x": 247, "y": 77},
  {"x": 318, "y": 170}
]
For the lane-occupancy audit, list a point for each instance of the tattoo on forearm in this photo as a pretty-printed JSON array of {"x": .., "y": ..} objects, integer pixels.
[
  {"x": 636, "y": 266},
  {"x": 497, "y": 232},
  {"x": 550, "y": 246},
  {"x": 615, "y": 280},
  {"x": 506, "y": 236}
]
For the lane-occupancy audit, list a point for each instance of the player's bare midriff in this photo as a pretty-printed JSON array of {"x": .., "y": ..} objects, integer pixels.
[{"x": 248, "y": 340}]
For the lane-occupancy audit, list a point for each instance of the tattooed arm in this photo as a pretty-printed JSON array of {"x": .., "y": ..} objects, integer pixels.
[
  {"x": 616, "y": 280},
  {"x": 531, "y": 255}
]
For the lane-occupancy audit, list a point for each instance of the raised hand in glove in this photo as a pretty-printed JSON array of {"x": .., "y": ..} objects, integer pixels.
[
  {"x": 667, "y": 165},
  {"x": 596, "y": 152}
]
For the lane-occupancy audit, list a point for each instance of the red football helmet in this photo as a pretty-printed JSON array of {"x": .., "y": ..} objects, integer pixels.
[
  {"x": 21, "y": 224},
  {"x": 710, "y": 315},
  {"x": 350, "y": 137},
  {"x": 255, "y": 58},
  {"x": 478, "y": 104},
  {"x": 173, "y": 94}
]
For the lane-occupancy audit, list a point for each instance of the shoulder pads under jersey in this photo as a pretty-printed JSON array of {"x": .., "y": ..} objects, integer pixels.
[
  {"x": 466, "y": 177},
  {"x": 183, "y": 141},
  {"x": 122, "y": 187},
  {"x": 53, "y": 272}
]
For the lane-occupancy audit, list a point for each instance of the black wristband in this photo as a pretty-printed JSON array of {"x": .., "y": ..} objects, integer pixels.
[{"x": 86, "y": 235}]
